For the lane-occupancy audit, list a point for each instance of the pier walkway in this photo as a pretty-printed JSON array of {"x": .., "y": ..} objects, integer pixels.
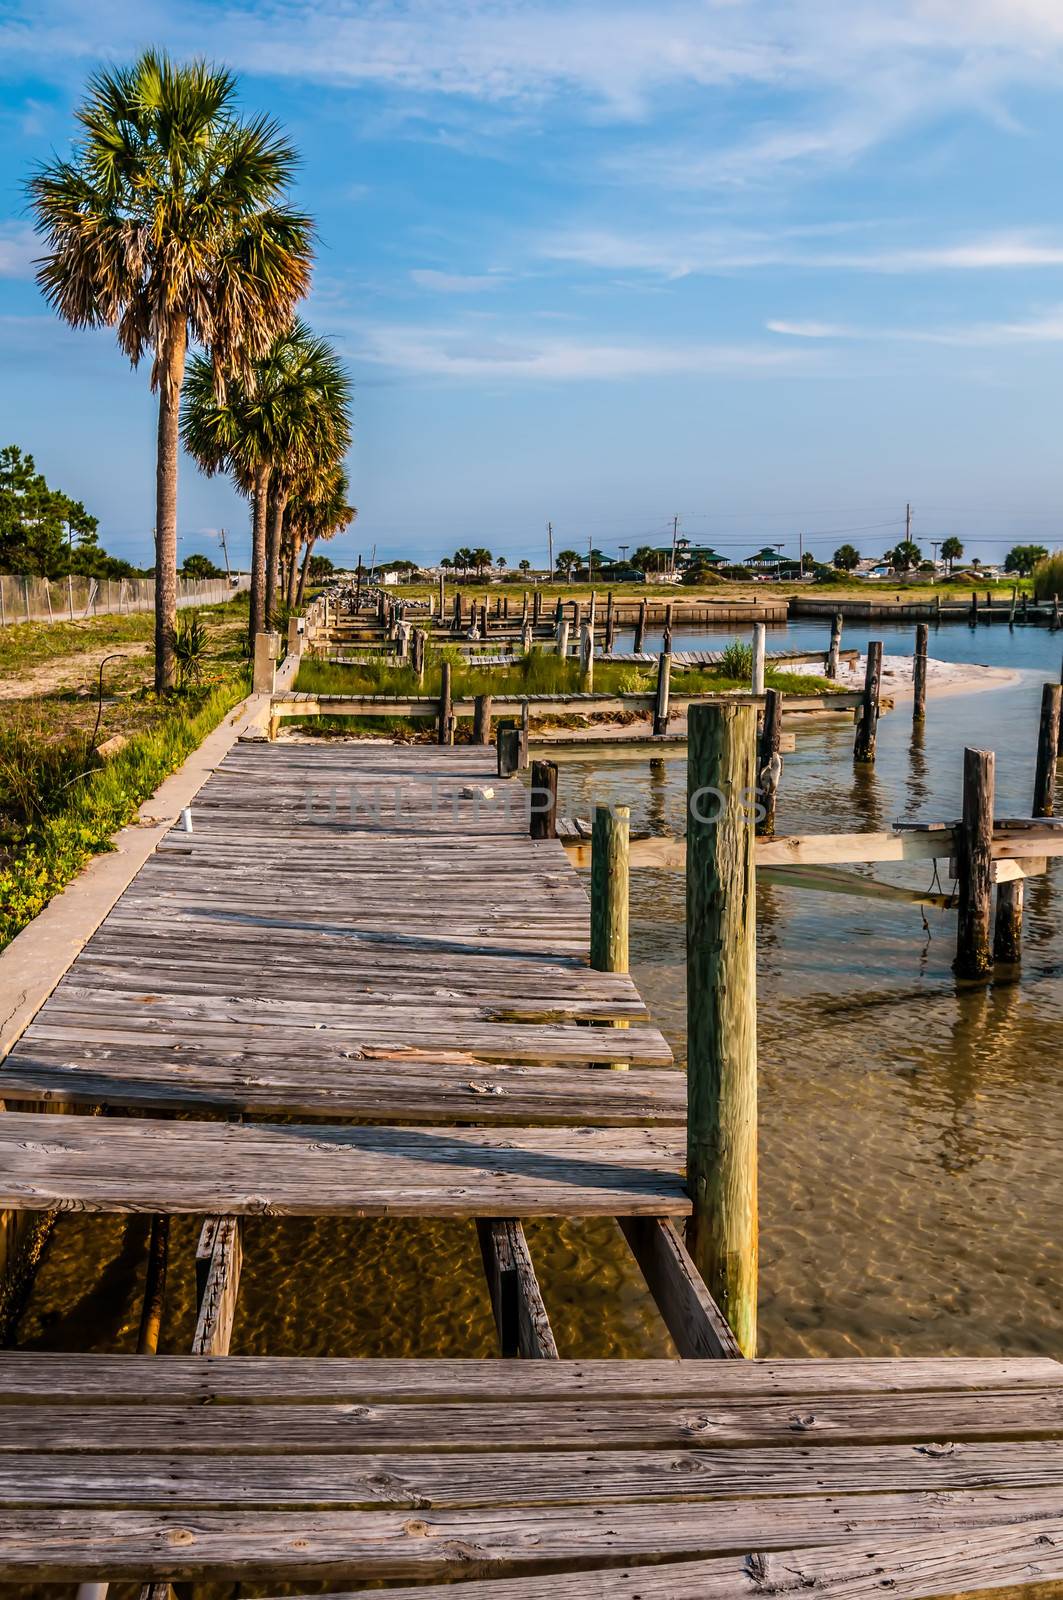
[{"x": 363, "y": 943}]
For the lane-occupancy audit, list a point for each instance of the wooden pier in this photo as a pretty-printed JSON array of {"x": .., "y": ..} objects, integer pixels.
[{"x": 337, "y": 944}]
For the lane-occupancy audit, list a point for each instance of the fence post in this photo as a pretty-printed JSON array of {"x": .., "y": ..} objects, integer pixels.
[
  {"x": 542, "y": 819},
  {"x": 722, "y": 1012},
  {"x": 70, "y": 594},
  {"x": 974, "y": 865},
  {"x": 867, "y": 726},
  {"x": 3, "y": 613},
  {"x": 922, "y": 635}
]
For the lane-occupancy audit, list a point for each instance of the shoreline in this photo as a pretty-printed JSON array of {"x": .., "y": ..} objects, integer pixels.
[{"x": 942, "y": 677}]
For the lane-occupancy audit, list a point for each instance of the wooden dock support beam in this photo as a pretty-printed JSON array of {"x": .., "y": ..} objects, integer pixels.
[
  {"x": 586, "y": 658},
  {"x": 1007, "y": 923},
  {"x": 922, "y": 640},
  {"x": 834, "y": 653},
  {"x": 516, "y": 1299},
  {"x": 769, "y": 762},
  {"x": 974, "y": 842},
  {"x": 660, "y": 710},
  {"x": 698, "y": 1327},
  {"x": 610, "y": 850},
  {"x": 219, "y": 1259},
  {"x": 1048, "y": 735},
  {"x": 481, "y": 719},
  {"x": 867, "y": 725},
  {"x": 722, "y": 1011},
  {"x": 542, "y": 814}
]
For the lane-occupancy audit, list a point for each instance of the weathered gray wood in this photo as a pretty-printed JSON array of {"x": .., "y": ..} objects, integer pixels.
[
  {"x": 445, "y": 705},
  {"x": 507, "y": 740},
  {"x": 640, "y": 629},
  {"x": 221, "y": 1286},
  {"x": 1048, "y": 739},
  {"x": 834, "y": 652},
  {"x": 760, "y": 648},
  {"x": 481, "y": 722},
  {"x": 922, "y": 637},
  {"x": 721, "y": 1012},
  {"x": 516, "y": 1299},
  {"x": 974, "y": 840},
  {"x": 698, "y": 1327},
  {"x": 769, "y": 764},
  {"x": 543, "y": 802},
  {"x": 661, "y": 702},
  {"x": 867, "y": 726},
  {"x": 1007, "y": 923},
  {"x": 610, "y": 888}
]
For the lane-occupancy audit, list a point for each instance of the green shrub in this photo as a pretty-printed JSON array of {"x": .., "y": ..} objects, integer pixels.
[
  {"x": 190, "y": 648},
  {"x": 1048, "y": 577},
  {"x": 736, "y": 661}
]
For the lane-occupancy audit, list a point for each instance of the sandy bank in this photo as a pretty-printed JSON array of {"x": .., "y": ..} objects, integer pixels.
[{"x": 942, "y": 677}]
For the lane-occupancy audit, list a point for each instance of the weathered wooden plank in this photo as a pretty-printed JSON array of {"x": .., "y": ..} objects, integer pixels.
[
  {"x": 221, "y": 1286},
  {"x": 128, "y": 1165},
  {"x": 516, "y": 1299},
  {"x": 556, "y": 1425},
  {"x": 383, "y": 1544},
  {"x": 697, "y": 1325},
  {"x": 27, "y": 1376}
]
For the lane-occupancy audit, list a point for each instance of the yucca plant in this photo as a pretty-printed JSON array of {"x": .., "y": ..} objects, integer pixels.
[
  {"x": 190, "y": 648},
  {"x": 736, "y": 660},
  {"x": 167, "y": 222}
]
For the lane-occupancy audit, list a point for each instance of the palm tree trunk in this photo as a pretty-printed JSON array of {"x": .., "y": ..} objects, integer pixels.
[
  {"x": 257, "y": 620},
  {"x": 293, "y": 565},
  {"x": 173, "y": 371},
  {"x": 302, "y": 573},
  {"x": 277, "y": 504}
]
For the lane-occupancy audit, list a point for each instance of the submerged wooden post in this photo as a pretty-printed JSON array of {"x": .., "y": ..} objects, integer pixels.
[
  {"x": 154, "y": 1287},
  {"x": 610, "y": 848},
  {"x": 481, "y": 719},
  {"x": 722, "y": 1011},
  {"x": 974, "y": 608},
  {"x": 668, "y": 627},
  {"x": 1044, "y": 784},
  {"x": 769, "y": 762},
  {"x": 1014, "y": 603},
  {"x": 867, "y": 724},
  {"x": 640, "y": 630},
  {"x": 760, "y": 635},
  {"x": 610, "y": 625},
  {"x": 1007, "y": 923},
  {"x": 444, "y": 704},
  {"x": 542, "y": 816},
  {"x": 922, "y": 637},
  {"x": 507, "y": 745},
  {"x": 834, "y": 653},
  {"x": 974, "y": 865},
  {"x": 660, "y": 710}
]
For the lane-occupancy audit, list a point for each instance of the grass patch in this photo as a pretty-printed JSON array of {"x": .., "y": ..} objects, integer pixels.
[
  {"x": 59, "y": 805},
  {"x": 30, "y": 644},
  {"x": 1048, "y": 576},
  {"x": 536, "y": 673}
]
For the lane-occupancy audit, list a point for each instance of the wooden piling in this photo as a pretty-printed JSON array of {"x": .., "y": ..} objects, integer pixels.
[
  {"x": 867, "y": 724},
  {"x": 722, "y": 1011},
  {"x": 507, "y": 746},
  {"x": 610, "y": 625},
  {"x": 769, "y": 763},
  {"x": 834, "y": 653},
  {"x": 263, "y": 672},
  {"x": 445, "y": 705},
  {"x": 640, "y": 629},
  {"x": 1014, "y": 603},
  {"x": 525, "y": 735},
  {"x": 610, "y": 846},
  {"x": 760, "y": 650},
  {"x": 442, "y": 595},
  {"x": 418, "y": 644},
  {"x": 586, "y": 658},
  {"x": 525, "y": 638},
  {"x": 660, "y": 710},
  {"x": 562, "y": 638},
  {"x": 542, "y": 816},
  {"x": 481, "y": 719},
  {"x": 974, "y": 608},
  {"x": 1047, "y": 751},
  {"x": 922, "y": 639},
  {"x": 1007, "y": 924},
  {"x": 537, "y": 606},
  {"x": 974, "y": 865},
  {"x": 668, "y": 627},
  {"x": 455, "y": 623},
  {"x": 154, "y": 1287}
]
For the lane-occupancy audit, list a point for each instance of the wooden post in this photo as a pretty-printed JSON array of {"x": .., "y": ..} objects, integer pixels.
[
  {"x": 418, "y": 655},
  {"x": 263, "y": 676},
  {"x": 562, "y": 638},
  {"x": 505, "y": 608},
  {"x": 442, "y": 594},
  {"x": 1047, "y": 751},
  {"x": 154, "y": 1287},
  {"x": 610, "y": 625},
  {"x": 1060, "y": 747},
  {"x": 610, "y": 847},
  {"x": 760, "y": 634},
  {"x": 722, "y": 1012},
  {"x": 559, "y": 612},
  {"x": 542, "y": 816},
  {"x": 516, "y": 1299},
  {"x": 867, "y": 725},
  {"x": 537, "y": 606},
  {"x": 974, "y": 608},
  {"x": 481, "y": 719},
  {"x": 1007, "y": 925},
  {"x": 525, "y": 637},
  {"x": 295, "y": 638},
  {"x": 660, "y": 710},
  {"x": 455, "y": 625},
  {"x": 586, "y": 658},
  {"x": 525, "y": 736},
  {"x": 445, "y": 708},
  {"x": 769, "y": 762},
  {"x": 402, "y": 643},
  {"x": 1025, "y": 606},
  {"x": 640, "y": 629},
  {"x": 507, "y": 744},
  {"x": 922, "y": 636},
  {"x": 1014, "y": 603},
  {"x": 834, "y": 654},
  {"x": 668, "y": 627},
  {"x": 974, "y": 844},
  {"x": 524, "y": 609}
]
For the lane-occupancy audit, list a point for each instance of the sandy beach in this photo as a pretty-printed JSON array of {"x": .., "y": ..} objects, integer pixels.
[{"x": 942, "y": 677}]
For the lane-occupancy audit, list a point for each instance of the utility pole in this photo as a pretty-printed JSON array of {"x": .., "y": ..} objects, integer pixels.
[
  {"x": 675, "y": 540},
  {"x": 225, "y": 553},
  {"x": 550, "y": 545},
  {"x": 908, "y": 522},
  {"x": 372, "y": 566},
  {"x": 590, "y": 558},
  {"x": 934, "y": 543},
  {"x": 800, "y": 555}
]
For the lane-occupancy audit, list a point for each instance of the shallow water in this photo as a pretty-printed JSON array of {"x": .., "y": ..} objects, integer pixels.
[{"x": 910, "y": 1127}]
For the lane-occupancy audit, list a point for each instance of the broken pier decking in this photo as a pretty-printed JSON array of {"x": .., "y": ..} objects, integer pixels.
[{"x": 423, "y": 974}]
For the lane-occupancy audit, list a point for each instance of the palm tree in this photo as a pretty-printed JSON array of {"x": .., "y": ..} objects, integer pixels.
[
  {"x": 168, "y": 223},
  {"x": 952, "y": 551},
  {"x": 289, "y": 418},
  {"x": 500, "y": 563},
  {"x": 567, "y": 562},
  {"x": 324, "y": 513}
]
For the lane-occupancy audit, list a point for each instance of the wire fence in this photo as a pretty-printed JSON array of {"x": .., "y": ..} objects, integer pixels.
[{"x": 70, "y": 599}]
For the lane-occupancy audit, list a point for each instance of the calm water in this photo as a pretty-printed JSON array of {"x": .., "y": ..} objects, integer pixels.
[{"x": 910, "y": 1127}]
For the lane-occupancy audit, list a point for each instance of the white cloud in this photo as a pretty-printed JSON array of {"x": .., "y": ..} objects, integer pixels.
[
  {"x": 725, "y": 252},
  {"x": 453, "y": 282},
  {"x": 19, "y": 247},
  {"x": 469, "y": 352},
  {"x": 1047, "y": 328}
]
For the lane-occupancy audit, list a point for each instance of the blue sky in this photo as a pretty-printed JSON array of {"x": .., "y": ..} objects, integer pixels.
[{"x": 771, "y": 267}]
